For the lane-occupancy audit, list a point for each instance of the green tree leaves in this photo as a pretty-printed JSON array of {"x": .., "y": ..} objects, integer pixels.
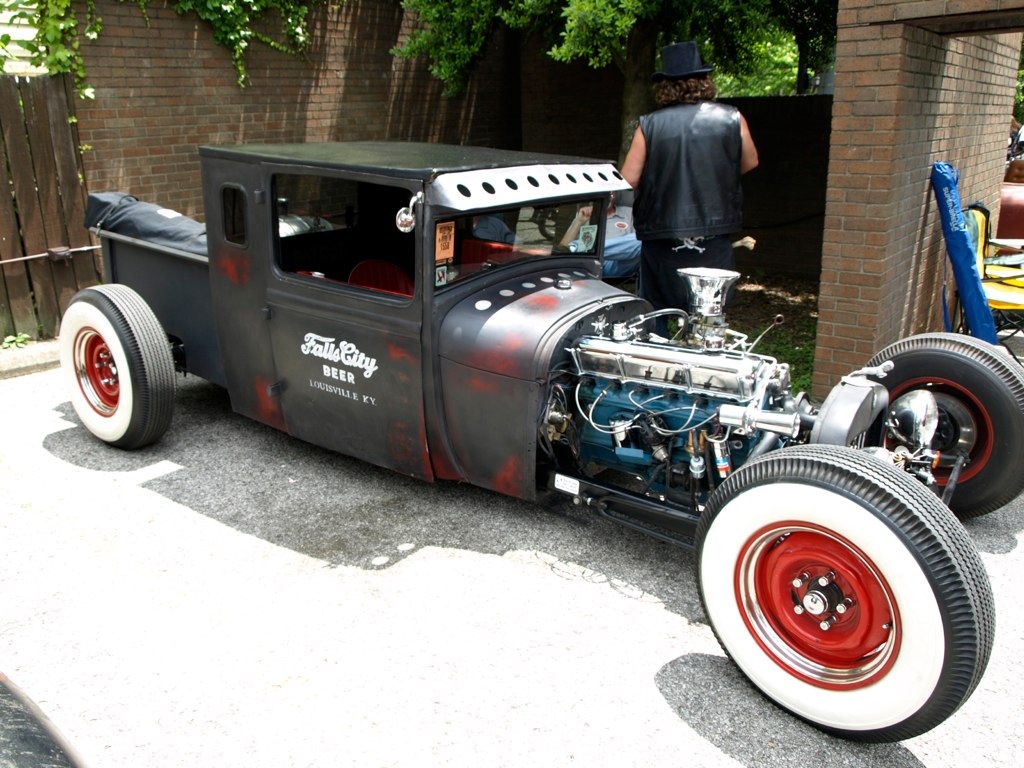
[
  {"x": 739, "y": 36},
  {"x": 747, "y": 40},
  {"x": 452, "y": 38}
]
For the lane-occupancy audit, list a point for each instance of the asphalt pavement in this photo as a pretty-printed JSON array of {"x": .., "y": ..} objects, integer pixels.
[{"x": 233, "y": 597}]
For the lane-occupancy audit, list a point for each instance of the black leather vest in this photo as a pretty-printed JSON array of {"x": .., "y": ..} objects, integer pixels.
[{"x": 690, "y": 185}]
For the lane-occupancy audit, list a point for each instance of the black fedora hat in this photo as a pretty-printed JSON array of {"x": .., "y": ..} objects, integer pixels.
[{"x": 681, "y": 60}]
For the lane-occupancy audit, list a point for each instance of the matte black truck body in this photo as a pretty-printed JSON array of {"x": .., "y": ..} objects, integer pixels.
[{"x": 429, "y": 309}]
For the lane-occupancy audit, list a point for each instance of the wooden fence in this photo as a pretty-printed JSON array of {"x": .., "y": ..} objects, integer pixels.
[{"x": 46, "y": 254}]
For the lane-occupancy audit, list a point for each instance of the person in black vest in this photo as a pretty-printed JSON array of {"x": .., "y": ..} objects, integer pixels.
[{"x": 685, "y": 163}]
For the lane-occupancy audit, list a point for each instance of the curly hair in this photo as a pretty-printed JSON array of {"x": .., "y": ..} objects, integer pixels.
[{"x": 688, "y": 90}]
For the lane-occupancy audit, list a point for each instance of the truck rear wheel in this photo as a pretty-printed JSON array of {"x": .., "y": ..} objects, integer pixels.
[
  {"x": 845, "y": 591},
  {"x": 118, "y": 365}
]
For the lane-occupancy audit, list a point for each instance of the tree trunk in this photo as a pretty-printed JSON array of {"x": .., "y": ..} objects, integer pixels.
[
  {"x": 803, "y": 78},
  {"x": 637, "y": 99}
]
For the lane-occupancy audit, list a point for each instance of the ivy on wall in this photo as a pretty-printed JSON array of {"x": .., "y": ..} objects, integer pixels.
[{"x": 60, "y": 25}]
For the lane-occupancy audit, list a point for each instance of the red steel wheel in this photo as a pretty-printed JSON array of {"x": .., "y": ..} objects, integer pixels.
[
  {"x": 117, "y": 360},
  {"x": 845, "y": 591},
  {"x": 980, "y": 394},
  {"x": 817, "y": 605},
  {"x": 96, "y": 371}
]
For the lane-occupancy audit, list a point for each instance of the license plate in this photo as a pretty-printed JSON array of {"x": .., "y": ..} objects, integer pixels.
[{"x": 567, "y": 484}]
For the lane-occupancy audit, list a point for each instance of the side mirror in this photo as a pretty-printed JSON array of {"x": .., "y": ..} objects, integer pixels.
[{"x": 405, "y": 219}]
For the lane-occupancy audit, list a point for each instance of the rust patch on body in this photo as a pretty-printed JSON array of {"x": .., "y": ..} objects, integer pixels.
[
  {"x": 407, "y": 447},
  {"x": 541, "y": 301},
  {"x": 400, "y": 354},
  {"x": 480, "y": 384},
  {"x": 509, "y": 479},
  {"x": 234, "y": 266},
  {"x": 504, "y": 358}
]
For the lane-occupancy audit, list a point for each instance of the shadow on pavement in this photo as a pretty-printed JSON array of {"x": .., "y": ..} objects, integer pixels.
[
  {"x": 700, "y": 688},
  {"x": 349, "y": 513}
]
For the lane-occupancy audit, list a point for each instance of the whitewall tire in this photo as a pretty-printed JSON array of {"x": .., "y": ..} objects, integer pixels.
[
  {"x": 117, "y": 362},
  {"x": 845, "y": 591}
]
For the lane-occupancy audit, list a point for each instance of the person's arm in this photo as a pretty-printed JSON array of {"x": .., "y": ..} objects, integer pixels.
[
  {"x": 582, "y": 217},
  {"x": 636, "y": 157},
  {"x": 748, "y": 153}
]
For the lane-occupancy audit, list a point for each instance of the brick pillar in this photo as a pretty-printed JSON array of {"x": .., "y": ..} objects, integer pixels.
[{"x": 905, "y": 97}]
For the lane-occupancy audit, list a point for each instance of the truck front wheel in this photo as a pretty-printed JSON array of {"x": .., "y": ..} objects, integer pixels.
[
  {"x": 979, "y": 390},
  {"x": 117, "y": 362},
  {"x": 845, "y": 591}
]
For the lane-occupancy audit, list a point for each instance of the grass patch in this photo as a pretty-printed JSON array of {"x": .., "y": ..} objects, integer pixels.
[{"x": 759, "y": 298}]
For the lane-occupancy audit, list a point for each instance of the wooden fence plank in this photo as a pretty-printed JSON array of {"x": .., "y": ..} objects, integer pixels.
[
  {"x": 44, "y": 169},
  {"x": 20, "y": 315},
  {"x": 71, "y": 177},
  {"x": 16, "y": 312},
  {"x": 70, "y": 99},
  {"x": 41, "y": 165},
  {"x": 30, "y": 215}
]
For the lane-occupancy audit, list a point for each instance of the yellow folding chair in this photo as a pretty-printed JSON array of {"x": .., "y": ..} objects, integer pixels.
[{"x": 1001, "y": 268}]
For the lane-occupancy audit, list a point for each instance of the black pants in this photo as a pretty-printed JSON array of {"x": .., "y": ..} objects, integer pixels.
[
  {"x": 661, "y": 285},
  {"x": 659, "y": 259}
]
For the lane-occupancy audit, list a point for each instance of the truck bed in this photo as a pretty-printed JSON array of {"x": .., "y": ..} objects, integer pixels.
[{"x": 174, "y": 282}]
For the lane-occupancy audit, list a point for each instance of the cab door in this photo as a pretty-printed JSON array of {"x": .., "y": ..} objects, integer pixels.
[{"x": 345, "y": 318}]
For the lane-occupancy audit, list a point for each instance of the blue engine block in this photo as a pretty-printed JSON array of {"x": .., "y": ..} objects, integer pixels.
[{"x": 637, "y": 429}]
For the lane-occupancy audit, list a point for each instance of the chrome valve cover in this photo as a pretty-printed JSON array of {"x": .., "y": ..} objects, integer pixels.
[{"x": 725, "y": 375}]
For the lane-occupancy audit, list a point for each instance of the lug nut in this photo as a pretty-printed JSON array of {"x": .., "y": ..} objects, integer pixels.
[
  {"x": 826, "y": 624},
  {"x": 827, "y": 579},
  {"x": 802, "y": 579}
]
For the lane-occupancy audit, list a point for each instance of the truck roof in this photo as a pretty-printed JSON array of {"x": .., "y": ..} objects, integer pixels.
[
  {"x": 460, "y": 178},
  {"x": 409, "y": 160}
]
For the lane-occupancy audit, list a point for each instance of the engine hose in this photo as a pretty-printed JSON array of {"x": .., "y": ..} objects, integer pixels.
[
  {"x": 654, "y": 476},
  {"x": 767, "y": 442}
]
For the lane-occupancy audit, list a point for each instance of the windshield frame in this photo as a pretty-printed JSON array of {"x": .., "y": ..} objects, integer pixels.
[{"x": 467, "y": 244}]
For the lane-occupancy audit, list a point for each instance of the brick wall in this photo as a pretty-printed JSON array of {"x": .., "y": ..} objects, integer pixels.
[
  {"x": 569, "y": 108},
  {"x": 905, "y": 97},
  {"x": 165, "y": 88}
]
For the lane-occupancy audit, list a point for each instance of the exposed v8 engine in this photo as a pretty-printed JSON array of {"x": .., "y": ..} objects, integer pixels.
[
  {"x": 674, "y": 418},
  {"x": 678, "y": 419}
]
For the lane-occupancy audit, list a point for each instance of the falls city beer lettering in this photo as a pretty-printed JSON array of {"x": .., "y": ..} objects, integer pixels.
[{"x": 343, "y": 352}]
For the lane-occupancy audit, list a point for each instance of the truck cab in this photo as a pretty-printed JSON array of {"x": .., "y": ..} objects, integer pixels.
[{"x": 380, "y": 299}]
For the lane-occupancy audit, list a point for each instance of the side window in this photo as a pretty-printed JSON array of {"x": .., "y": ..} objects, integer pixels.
[
  {"x": 232, "y": 203},
  {"x": 342, "y": 232}
]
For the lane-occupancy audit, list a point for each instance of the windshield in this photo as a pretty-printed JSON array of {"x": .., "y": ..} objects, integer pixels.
[{"x": 468, "y": 244}]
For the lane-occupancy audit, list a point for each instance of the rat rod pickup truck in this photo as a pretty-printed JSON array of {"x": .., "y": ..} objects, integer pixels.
[{"x": 398, "y": 302}]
